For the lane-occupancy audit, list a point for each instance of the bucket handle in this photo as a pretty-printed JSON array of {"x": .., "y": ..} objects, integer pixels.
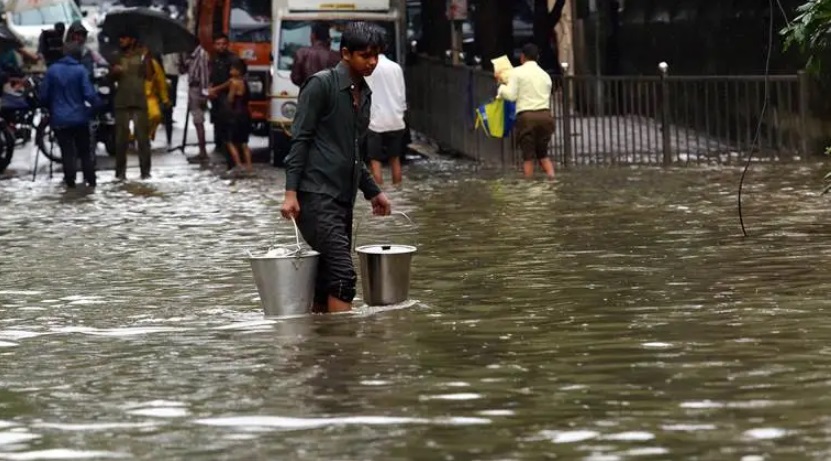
[
  {"x": 360, "y": 220},
  {"x": 296, "y": 232}
]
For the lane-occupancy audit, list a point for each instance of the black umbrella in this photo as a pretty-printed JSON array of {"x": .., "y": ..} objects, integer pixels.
[
  {"x": 157, "y": 31},
  {"x": 8, "y": 39}
]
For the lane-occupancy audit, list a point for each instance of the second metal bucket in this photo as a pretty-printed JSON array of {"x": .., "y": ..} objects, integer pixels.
[{"x": 385, "y": 273}]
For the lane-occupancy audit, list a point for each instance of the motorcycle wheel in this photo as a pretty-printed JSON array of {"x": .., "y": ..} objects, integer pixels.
[
  {"x": 46, "y": 142},
  {"x": 109, "y": 142},
  {"x": 6, "y": 148}
]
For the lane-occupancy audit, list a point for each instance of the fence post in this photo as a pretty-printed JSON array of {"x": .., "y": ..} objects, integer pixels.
[
  {"x": 804, "y": 101},
  {"x": 663, "y": 68},
  {"x": 566, "y": 115}
]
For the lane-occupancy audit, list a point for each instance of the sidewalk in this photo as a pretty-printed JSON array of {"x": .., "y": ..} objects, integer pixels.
[{"x": 23, "y": 162}]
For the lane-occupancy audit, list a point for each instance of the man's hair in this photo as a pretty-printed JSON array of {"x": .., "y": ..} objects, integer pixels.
[
  {"x": 360, "y": 36},
  {"x": 60, "y": 27},
  {"x": 73, "y": 50},
  {"x": 321, "y": 31},
  {"x": 531, "y": 51},
  {"x": 128, "y": 33},
  {"x": 220, "y": 36}
]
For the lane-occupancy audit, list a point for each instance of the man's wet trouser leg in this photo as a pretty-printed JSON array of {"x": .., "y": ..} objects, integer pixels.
[
  {"x": 326, "y": 225},
  {"x": 141, "y": 121},
  {"x": 122, "y": 141}
]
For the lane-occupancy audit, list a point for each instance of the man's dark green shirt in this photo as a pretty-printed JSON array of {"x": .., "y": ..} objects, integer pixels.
[{"x": 327, "y": 133}]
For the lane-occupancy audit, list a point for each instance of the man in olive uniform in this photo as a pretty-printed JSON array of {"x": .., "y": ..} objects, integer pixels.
[
  {"x": 220, "y": 69},
  {"x": 131, "y": 105}
]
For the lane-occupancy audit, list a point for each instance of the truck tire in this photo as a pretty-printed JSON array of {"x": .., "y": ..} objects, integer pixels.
[{"x": 279, "y": 143}]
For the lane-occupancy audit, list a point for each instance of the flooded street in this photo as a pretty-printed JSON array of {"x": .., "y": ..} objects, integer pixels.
[{"x": 614, "y": 314}]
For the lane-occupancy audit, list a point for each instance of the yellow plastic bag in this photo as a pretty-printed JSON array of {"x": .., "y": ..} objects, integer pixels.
[{"x": 497, "y": 117}]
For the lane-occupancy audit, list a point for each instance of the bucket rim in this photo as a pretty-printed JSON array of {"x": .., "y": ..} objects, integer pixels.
[
  {"x": 307, "y": 254},
  {"x": 403, "y": 249}
]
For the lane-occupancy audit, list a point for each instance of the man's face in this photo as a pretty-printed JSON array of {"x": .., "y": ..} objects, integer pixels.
[
  {"x": 361, "y": 62},
  {"x": 221, "y": 46},
  {"x": 79, "y": 38},
  {"x": 126, "y": 42}
]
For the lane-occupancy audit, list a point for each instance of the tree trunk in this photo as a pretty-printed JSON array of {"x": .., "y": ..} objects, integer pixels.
[
  {"x": 493, "y": 28},
  {"x": 435, "y": 35}
]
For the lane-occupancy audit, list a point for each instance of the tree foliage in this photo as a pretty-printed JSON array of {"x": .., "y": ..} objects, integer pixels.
[{"x": 810, "y": 31}]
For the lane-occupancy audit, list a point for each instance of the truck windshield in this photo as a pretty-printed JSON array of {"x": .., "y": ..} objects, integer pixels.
[
  {"x": 297, "y": 34},
  {"x": 64, "y": 12},
  {"x": 250, "y": 21}
]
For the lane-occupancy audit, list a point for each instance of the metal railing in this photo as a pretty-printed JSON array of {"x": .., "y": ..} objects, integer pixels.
[{"x": 630, "y": 120}]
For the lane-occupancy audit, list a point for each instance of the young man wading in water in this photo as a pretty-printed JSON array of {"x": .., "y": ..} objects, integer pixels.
[{"x": 325, "y": 167}]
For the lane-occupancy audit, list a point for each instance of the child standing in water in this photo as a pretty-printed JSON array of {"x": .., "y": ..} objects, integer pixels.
[{"x": 240, "y": 123}]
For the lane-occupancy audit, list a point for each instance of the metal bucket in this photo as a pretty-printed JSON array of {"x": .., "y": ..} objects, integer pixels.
[
  {"x": 286, "y": 284},
  {"x": 385, "y": 273},
  {"x": 286, "y": 279}
]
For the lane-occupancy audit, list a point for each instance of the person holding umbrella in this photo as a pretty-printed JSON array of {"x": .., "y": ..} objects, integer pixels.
[{"x": 130, "y": 71}]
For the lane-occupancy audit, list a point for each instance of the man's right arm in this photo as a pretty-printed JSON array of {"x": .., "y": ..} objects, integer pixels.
[{"x": 310, "y": 106}]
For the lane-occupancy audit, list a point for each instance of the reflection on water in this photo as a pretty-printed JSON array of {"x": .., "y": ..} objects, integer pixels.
[{"x": 613, "y": 314}]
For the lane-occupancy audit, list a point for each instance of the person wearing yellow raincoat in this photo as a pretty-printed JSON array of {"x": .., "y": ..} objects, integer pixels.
[{"x": 155, "y": 89}]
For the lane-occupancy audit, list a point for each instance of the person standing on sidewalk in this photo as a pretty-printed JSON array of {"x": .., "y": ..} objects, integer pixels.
[
  {"x": 530, "y": 87},
  {"x": 172, "y": 64},
  {"x": 199, "y": 81},
  {"x": 385, "y": 140},
  {"x": 130, "y": 71},
  {"x": 65, "y": 91},
  {"x": 220, "y": 69},
  {"x": 325, "y": 168}
]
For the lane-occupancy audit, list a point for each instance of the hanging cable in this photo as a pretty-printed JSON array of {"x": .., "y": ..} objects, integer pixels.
[{"x": 755, "y": 142}]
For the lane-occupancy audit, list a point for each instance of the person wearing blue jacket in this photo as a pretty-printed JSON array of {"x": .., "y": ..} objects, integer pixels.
[{"x": 68, "y": 94}]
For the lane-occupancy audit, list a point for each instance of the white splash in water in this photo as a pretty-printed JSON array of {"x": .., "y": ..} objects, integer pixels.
[
  {"x": 283, "y": 423},
  {"x": 91, "y": 427},
  {"x": 631, "y": 436},
  {"x": 15, "y": 436},
  {"x": 119, "y": 332},
  {"x": 657, "y": 345},
  {"x": 765, "y": 433},
  {"x": 579, "y": 435},
  {"x": 459, "y": 396},
  {"x": 62, "y": 454},
  {"x": 496, "y": 413}
]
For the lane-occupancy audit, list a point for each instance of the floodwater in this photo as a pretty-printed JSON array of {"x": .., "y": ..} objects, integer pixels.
[{"x": 614, "y": 314}]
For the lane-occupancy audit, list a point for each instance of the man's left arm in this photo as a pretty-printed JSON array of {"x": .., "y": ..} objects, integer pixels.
[
  {"x": 509, "y": 92},
  {"x": 366, "y": 184}
]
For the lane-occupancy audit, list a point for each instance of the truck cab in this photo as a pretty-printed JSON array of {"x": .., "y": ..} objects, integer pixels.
[{"x": 292, "y": 25}]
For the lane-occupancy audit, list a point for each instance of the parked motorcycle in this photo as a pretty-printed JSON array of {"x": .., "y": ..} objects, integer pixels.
[
  {"x": 102, "y": 126},
  {"x": 21, "y": 108},
  {"x": 6, "y": 145}
]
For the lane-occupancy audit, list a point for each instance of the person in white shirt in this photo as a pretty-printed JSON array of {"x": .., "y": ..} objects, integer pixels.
[
  {"x": 173, "y": 65},
  {"x": 530, "y": 87},
  {"x": 387, "y": 129}
]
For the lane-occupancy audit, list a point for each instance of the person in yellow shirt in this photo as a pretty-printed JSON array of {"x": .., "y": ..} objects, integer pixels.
[{"x": 530, "y": 87}]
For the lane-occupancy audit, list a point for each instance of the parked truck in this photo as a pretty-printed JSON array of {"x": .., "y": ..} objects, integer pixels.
[{"x": 291, "y": 30}]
